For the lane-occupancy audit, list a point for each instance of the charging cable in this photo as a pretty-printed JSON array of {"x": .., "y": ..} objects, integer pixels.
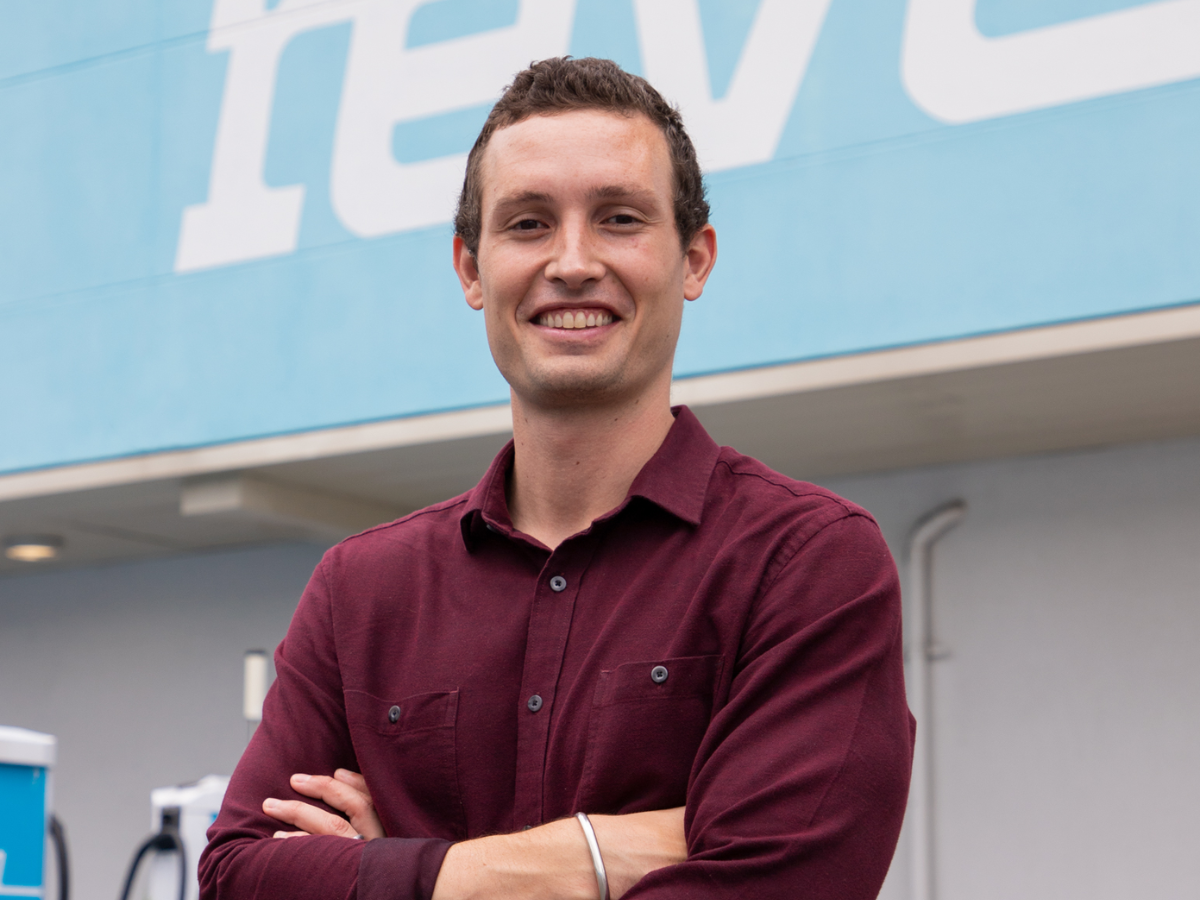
[
  {"x": 59, "y": 838},
  {"x": 167, "y": 840}
]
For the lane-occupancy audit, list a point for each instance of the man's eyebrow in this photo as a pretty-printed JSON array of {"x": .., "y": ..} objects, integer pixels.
[
  {"x": 624, "y": 192},
  {"x": 523, "y": 197},
  {"x": 605, "y": 192}
]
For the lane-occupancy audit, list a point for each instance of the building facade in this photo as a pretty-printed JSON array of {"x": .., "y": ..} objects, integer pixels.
[{"x": 958, "y": 262}]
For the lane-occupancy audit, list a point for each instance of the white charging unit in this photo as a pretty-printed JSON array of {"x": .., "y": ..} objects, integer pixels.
[{"x": 197, "y": 805}]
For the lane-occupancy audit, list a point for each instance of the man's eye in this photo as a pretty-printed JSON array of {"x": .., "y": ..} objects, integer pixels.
[
  {"x": 622, "y": 219},
  {"x": 528, "y": 225}
]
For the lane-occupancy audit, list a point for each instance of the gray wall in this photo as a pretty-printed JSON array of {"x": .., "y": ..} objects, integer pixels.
[
  {"x": 138, "y": 670},
  {"x": 1067, "y": 717}
]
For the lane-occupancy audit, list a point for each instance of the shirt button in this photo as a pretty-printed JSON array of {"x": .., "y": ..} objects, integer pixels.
[
  {"x": 394, "y": 715},
  {"x": 658, "y": 674},
  {"x": 558, "y": 584},
  {"x": 534, "y": 703}
]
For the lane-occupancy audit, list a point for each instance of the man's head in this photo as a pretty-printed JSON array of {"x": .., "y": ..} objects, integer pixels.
[
  {"x": 562, "y": 85},
  {"x": 575, "y": 254}
]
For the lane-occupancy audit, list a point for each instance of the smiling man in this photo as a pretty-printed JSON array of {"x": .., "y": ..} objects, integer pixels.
[{"x": 622, "y": 620}]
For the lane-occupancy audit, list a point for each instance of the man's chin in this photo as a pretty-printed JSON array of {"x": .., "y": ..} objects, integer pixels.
[
  {"x": 573, "y": 390},
  {"x": 576, "y": 397}
]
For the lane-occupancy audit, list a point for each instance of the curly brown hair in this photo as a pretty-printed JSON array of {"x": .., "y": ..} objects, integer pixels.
[{"x": 563, "y": 84}]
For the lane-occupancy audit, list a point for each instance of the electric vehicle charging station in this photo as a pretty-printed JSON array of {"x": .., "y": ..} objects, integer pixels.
[
  {"x": 26, "y": 799},
  {"x": 197, "y": 805},
  {"x": 180, "y": 817}
]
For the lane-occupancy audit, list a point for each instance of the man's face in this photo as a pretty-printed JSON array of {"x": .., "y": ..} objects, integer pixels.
[{"x": 579, "y": 271}]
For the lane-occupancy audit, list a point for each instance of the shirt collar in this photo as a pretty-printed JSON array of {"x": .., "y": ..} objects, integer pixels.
[
  {"x": 677, "y": 475},
  {"x": 487, "y": 503},
  {"x": 675, "y": 478}
]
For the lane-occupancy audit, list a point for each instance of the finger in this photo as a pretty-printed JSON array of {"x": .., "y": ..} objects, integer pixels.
[
  {"x": 307, "y": 817},
  {"x": 288, "y": 834},
  {"x": 338, "y": 794},
  {"x": 353, "y": 779},
  {"x": 355, "y": 803}
]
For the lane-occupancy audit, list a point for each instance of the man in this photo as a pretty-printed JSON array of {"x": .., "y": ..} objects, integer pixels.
[{"x": 621, "y": 619}]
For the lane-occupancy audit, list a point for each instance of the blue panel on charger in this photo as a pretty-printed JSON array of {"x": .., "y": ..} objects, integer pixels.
[{"x": 22, "y": 826}]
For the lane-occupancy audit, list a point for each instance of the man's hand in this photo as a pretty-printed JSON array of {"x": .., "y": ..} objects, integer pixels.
[{"x": 345, "y": 791}]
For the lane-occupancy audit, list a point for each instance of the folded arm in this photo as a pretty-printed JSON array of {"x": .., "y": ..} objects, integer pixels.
[
  {"x": 305, "y": 729},
  {"x": 800, "y": 783},
  {"x": 551, "y": 861}
]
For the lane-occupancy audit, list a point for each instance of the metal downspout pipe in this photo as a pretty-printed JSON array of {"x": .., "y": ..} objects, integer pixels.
[{"x": 920, "y": 651}]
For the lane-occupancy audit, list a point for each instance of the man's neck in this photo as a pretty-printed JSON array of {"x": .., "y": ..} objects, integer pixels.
[{"x": 571, "y": 466}]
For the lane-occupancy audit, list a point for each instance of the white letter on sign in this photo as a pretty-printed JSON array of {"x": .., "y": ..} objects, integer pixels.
[
  {"x": 745, "y": 125},
  {"x": 386, "y": 84},
  {"x": 957, "y": 75},
  {"x": 243, "y": 218}
]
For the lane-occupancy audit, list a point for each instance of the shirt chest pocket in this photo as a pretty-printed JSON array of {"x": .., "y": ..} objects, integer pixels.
[
  {"x": 406, "y": 748},
  {"x": 647, "y": 722}
]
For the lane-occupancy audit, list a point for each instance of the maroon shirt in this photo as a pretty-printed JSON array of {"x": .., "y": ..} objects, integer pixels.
[{"x": 726, "y": 638}]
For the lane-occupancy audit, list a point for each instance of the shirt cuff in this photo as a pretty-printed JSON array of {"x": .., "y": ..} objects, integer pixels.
[{"x": 400, "y": 868}]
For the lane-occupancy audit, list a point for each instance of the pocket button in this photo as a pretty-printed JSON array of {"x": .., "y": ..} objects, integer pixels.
[
  {"x": 394, "y": 715},
  {"x": 658, "y": 674}
]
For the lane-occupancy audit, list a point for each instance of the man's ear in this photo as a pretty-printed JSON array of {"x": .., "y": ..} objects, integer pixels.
[
  {"x": 701, "y": 255},
  {"x": 468, "y": 274}
]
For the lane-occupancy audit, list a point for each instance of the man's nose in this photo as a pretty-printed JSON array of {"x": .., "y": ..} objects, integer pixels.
[{"x": 575, "y": 259}]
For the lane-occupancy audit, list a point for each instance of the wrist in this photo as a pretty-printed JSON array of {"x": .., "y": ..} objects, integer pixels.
[
  {"x": 550, "y": 862},
  {"x": 589, "y": 835}
]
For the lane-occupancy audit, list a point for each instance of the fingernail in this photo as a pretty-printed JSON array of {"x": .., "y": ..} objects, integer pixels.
[
  {"x": 301, "y": 779},
  {"x": 341, "y": 775},
  {"x": 270, "y": 803}
]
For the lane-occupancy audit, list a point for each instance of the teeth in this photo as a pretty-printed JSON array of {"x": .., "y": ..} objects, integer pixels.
[{"x": 575, "y": 319}]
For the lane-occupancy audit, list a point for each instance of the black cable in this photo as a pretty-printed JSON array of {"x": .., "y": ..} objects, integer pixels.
[
  {"x": 183, "y": 871},
  {"x": 133, "y": 866},
  {"x": 167, "y": 839},
  {"x": 59, "y": 838}
]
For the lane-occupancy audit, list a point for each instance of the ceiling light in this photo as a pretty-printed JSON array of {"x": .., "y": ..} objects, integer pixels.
[{"x": 32, "y": 547}]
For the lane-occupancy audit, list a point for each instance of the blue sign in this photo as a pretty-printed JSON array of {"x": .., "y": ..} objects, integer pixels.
[
  {"x": 229, "y": 220},
  {"x": 22, "y": 829}
]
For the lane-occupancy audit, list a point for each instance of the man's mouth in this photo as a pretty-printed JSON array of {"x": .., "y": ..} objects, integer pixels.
[{"x": 575, "y": 318}]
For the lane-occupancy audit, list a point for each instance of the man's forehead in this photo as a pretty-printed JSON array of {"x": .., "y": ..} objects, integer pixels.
[{"x": 550, "y": 137}]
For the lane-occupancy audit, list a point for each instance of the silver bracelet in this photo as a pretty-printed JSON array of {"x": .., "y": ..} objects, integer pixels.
[{"x": 597, "y": 859}]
